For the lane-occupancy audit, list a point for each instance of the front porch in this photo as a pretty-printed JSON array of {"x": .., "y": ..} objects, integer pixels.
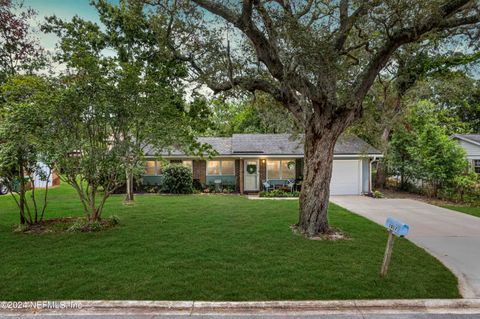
[{"x": 243, "y": 175}]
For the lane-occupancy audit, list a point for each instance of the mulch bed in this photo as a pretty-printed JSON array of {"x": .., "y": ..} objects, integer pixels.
[
  {"x": 392, "y": 193},
  {"x": 61, "y": 225}
]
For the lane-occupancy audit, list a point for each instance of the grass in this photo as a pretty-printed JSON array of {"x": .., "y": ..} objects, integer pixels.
[
  {"x": 471, "y": 210},
  {"x": 208, "y": 247}
]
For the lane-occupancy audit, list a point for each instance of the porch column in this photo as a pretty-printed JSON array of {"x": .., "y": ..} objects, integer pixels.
[
  {"x": 241, "y": 176},
  {"x": 200, "y": 170},
  {"x": 237, "y": 175},
  {"x": 263, "y": 172}
]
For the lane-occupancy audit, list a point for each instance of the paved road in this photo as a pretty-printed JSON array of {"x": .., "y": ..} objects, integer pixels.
[
  {"x": 452, "y": 237},
  {"x": 359, "y": 316}
]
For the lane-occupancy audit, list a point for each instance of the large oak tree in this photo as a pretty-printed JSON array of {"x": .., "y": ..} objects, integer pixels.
[{"x": 317, "y": 58}]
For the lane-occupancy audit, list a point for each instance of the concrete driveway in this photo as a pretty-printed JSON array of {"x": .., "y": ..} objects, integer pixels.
[{"x": 452, "y": 237}]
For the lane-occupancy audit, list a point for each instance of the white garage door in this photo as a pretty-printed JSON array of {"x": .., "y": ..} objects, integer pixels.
[{"x": 346, "y": 177}]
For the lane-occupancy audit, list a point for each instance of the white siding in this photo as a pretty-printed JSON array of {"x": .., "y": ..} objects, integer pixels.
[
  {"x": 39, "y": 181},
  {"x": 473, "y": 151}
]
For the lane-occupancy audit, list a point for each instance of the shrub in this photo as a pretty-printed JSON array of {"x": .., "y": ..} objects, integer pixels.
[
  {"x": 228, "y": 189},
  {"x": 197, "y": 185},
  {"x": 113, "y": 220},
  {"x": 177, "y": 179},
  {"x": 152, "y": 189},
  {"x": 377, "y": 194},
  {"x": 279, "y": 193},
  {"x": 21, "y": 228},
  {"x": 83, "y": 225}
]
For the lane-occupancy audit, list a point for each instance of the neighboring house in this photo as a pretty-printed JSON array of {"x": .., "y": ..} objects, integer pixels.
[
  {"x": 471, "y": 144},
  {"x": 246, "y": 161},
  {"x": 40, "y": 179}
]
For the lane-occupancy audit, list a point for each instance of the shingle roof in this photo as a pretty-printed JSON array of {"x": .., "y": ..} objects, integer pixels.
[
  {"x": 223, "y": 145},
  {"x": 469, "y": 137},
  {"x": 274, "y": 144}
]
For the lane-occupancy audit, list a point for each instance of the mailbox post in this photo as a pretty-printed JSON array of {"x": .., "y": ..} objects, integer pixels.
[{"x": 395, "y": 228}]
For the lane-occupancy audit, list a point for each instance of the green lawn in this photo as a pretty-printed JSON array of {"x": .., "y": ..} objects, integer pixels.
[
  {"x": 475, "y": 211},
  {"x": 202, "y": 247}
]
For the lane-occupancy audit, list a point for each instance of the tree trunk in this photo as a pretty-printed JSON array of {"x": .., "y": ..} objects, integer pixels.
[
  {"x": 21, "y": 193},
  {"x": 382, "y": 168},
  {"x": 130, "y": 194},
  {"x": 314, "y": 198},
  {"x": 381, "y": 175}
]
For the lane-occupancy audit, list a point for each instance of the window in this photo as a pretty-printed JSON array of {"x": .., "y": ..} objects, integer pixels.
[
  {"x": 273, "y": 169},
  {"x": 280, "y": 169},
  {"x": 288, "y": 169},
  {"x": 476, "y": 166},
  {"x": 188, "y": 164},
  {"x": 150, "y": 168},
  {"x": 227, "y": 167},
  {"x": 220, "y": 168},
  {"x": 213, "y": 168}
]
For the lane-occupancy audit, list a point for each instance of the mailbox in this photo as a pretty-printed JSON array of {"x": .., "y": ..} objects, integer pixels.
[{"x": 396, "y": 227}]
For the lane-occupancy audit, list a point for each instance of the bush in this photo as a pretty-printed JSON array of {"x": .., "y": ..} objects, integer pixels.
[
  {"x": 83, "y": 225},
  {"x": 228, "y": 189},
  {"x": 279, "y": 193},
  {"x": 377, "y": 194},
  {"x": 197, "y": 185},
  {"x": 177, "y": 179}
]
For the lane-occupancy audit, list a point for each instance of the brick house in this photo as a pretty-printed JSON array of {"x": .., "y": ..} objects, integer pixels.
[{"x": 246, "y": 161}]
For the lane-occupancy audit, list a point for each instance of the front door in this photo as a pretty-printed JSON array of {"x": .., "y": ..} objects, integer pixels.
[{"x": 251, "y": 175}]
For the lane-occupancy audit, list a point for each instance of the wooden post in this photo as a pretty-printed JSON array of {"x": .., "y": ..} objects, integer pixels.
[
  {"x": 388, "y": 254},
  {"x": 241, "y": 176}
]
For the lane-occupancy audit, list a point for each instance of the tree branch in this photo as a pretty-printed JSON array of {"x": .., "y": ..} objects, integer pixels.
[
  {"x": 347, "y": 22},
  {"x": 404, "y": 36}
]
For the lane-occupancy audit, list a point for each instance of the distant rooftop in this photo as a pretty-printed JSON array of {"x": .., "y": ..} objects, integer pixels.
[
  {"x": 273, "y": 144},
  {"x": 475, "y": 138}
]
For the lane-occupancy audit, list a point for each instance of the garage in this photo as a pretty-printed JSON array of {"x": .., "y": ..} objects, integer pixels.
[{"x": 346, "y": 177}]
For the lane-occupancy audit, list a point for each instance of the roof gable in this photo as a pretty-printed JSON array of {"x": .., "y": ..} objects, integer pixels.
[{"x": 470, "y": 138}]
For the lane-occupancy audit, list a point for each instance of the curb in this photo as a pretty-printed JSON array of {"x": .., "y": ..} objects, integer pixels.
[{"x": 189, "y": 308}]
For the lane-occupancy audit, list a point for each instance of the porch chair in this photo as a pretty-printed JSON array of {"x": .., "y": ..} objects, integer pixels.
[
  {"x": 267, "y": 186},
  {"x": 291, "y": 184}
]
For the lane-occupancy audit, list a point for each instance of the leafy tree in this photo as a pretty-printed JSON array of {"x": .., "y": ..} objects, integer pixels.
[
  {"x": 425, "y": 152},
  {"x": 438, "y": 159},
  {"x": 261, "y": 114},
  {"x": 418, "y": 77},
  {"x": 318, "y": 59},
  {"x": 138, "y": 88},
  {"x": 456, "y": 96},
  {"x": 466, "y": 183},
  {"x": 148, "y": 93},
  {"x": 26, "y": 134},
  {"x": 399, "y": 156},
  {"x": 19, "y": 53},
  {"x": 19, "y": 48},
  {"x": 88, "y": 156}
]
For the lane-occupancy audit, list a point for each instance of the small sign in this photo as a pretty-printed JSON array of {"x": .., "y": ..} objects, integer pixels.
[{"x": 396, "y": 227}]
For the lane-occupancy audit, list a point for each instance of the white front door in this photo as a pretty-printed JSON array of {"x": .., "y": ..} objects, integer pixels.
[{"x": 251, "y": 174}]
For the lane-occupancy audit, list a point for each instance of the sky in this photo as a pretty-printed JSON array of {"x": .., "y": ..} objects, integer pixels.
[{"x": 64, "y": 9}]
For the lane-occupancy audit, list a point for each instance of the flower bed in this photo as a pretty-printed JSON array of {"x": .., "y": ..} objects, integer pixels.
[{"x": 279, "y": 193}]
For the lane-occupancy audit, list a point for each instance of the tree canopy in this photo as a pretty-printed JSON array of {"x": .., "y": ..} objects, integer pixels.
[{"x": 319, "y": 59}]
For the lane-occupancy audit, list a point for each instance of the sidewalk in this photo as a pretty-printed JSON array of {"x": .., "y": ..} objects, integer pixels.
[{"x": 349, "y": 308}]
